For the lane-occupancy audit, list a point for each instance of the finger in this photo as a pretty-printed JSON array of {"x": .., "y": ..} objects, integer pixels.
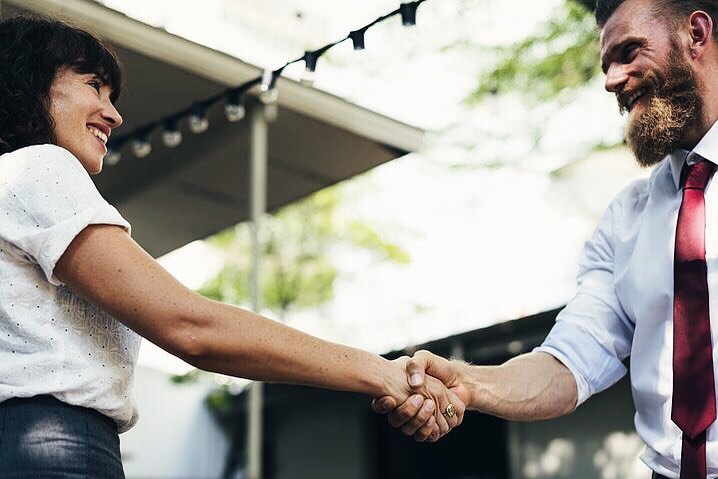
[
  {"x": 414, "y": 424},
  {"x": 426, "y": 431},
  {"x": 425, "y": 362},
  {"x": 441, "y": 421},
  {"x": 383, "y": 405},
  {"x": 403, "y": 413},
  {"x": 457, "y": 415},
  {"x": 459, "y": 407},
  {"x": 416, "y": 369},
  {"x": 435, "y": 436}
]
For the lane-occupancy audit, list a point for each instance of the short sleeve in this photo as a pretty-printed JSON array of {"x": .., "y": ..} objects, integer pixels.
[
  {"x": 593, "y": 335},
  {"x": 46, "y": 199}
]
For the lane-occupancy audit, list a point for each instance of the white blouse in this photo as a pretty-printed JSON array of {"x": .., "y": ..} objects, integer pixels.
[{"x": 51, "y": 340}]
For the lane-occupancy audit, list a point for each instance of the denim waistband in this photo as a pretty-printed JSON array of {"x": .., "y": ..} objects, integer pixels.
[{"x": 47, "y": 401}]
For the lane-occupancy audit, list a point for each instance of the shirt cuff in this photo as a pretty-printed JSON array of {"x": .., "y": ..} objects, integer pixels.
[{"x": 593, "y": 366}]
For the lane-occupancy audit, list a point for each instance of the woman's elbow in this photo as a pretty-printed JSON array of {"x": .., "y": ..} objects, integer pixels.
[
  {"x": 188, "y": 339},
  {"x": 190, "y": 346}
]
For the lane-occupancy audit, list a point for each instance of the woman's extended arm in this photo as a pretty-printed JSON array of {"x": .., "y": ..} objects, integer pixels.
[{"x": 105, "y": 266}]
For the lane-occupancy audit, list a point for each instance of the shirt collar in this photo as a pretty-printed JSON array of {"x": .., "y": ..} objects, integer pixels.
[{"x": 706, "y": 149}]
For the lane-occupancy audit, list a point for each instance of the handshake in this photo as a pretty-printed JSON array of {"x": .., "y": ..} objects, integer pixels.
[{"x": 435, "y": 394}]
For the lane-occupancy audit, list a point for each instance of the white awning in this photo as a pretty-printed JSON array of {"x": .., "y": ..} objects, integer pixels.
[{"x": 175, "y": 196}]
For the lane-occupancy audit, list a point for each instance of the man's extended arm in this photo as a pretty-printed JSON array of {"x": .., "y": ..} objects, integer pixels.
[{"x": 529, "y": 387}]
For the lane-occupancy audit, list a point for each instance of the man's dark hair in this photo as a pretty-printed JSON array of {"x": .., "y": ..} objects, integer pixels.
[
  {"x": 32, "y": 51},
  {"x": 676, "y": 10}
]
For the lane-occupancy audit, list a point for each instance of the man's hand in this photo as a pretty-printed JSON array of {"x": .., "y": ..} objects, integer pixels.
[
  {"x": 428, "y": 422},
  {"x": 451, "y": 373},
  {"x": 415, "y": 415}
]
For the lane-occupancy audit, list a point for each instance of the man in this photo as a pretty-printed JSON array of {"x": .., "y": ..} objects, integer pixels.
[{"x": 648, "y": 278}]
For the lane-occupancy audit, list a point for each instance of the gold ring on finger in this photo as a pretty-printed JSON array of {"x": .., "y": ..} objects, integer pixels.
[{"x": 450, "y": 411}]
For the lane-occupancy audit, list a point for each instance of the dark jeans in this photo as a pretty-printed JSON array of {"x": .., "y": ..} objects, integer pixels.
[{"x": 42, "y": 437}]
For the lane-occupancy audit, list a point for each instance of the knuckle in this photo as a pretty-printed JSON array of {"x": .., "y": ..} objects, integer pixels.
[
  {"x": 424, "y": 415},
  {"x": 402, "y": 415},
  {"x": 408, "y": 430},
  {"x": 443, "y": 427},
  {"x": 422, "y": 353},
  {"x": 394, "y": 422}
]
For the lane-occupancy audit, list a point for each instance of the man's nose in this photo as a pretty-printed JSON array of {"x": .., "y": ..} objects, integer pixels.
[{"x": 616, "y": 78}]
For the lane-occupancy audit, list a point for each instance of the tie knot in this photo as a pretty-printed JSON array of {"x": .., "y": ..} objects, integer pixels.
[{"x": 696, "y": 176}]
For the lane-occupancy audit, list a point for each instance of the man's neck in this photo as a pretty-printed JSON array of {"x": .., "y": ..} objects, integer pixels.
[{"x": 696, "y": 134}]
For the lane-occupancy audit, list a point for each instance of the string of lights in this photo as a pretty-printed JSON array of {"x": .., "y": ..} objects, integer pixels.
[{"x": 234, "y": 109}]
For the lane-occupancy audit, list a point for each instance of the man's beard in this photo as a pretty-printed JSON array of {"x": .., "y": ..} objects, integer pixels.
[{"x": 674, "y": 108}]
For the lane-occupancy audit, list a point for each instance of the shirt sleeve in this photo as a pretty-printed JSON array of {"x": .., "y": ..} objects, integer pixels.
[
  {"x": 46, "y": 199},
  {"x": 593, "y": 335}
]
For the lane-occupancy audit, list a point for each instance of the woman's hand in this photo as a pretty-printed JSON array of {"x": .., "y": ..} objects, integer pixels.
[{"x": 431, "y": 416}]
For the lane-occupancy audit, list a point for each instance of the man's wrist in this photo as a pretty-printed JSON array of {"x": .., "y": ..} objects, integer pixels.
[{"x": 467, "y": 379}]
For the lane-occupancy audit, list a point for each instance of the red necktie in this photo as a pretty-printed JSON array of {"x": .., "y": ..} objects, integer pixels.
[{"x": 694, "y": 401}]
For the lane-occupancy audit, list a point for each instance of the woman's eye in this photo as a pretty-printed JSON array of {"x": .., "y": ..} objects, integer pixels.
[{"x": 95, "y": 84}]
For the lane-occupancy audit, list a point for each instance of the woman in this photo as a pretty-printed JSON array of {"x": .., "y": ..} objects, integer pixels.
[{"x": 78, "y": 292}]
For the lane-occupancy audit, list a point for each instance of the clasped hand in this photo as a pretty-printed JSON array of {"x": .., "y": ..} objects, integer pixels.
[{"x": 432, "y": 384}]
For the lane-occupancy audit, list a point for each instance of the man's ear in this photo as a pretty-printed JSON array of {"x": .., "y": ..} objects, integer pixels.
[{"x": 701, "y": 31}]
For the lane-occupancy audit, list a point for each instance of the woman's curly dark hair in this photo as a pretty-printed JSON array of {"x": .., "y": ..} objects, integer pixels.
[{"x": 32, "y": 51}]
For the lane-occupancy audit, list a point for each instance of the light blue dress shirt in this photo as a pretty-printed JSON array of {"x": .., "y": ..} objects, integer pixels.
[{"x": 624, "y": 304}]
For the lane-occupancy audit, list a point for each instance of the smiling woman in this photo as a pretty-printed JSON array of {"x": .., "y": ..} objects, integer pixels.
[
  {"x": 83, "y": 101},
  {"x": 37, "y": 53},
  {"x": 78, "y": 292}
]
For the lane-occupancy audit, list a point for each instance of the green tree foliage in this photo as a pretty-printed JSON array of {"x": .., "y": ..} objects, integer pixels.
[
  {"x": 563, "y": 54},
  {"x": 296, "y": 270}
]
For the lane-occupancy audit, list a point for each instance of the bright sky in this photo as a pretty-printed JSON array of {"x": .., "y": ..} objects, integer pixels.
[{"x": 487, "y": 244}]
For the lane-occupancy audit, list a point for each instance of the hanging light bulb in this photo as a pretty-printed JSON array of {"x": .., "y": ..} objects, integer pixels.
[
  {"x": 113, "y": 155},
  {"x": 268, "y": 92},
  {"x": 310, "y": 66},
  {"x": 408, "y": 13},
  {"x": 171, "y": 136},
  {"x": 198, "y": 122},
  {"x": 234, "y": 108},
  {"x": 357, "y": 38},
  {"x": 141, "y": 146}
]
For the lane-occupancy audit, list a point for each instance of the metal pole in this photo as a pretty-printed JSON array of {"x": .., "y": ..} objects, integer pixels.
[{"x": 257, "y": 206}]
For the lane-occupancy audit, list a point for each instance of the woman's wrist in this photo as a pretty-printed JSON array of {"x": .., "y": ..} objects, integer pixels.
[{"x": 379, "y": 376}]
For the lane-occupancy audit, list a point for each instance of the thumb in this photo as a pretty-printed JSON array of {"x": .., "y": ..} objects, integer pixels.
[
  {"x": 383, "y": 404},
  {"x": 425, "y": 362}
]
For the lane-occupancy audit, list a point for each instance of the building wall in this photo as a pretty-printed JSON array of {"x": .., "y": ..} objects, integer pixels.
[
  {"x": 323, "y": 439},
  {"x": 322, "y": 435},
  {"x": 598, "y": 441}
]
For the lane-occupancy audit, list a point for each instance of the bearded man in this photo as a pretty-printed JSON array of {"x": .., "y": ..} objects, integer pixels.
[{"x": 648, "y": 278}]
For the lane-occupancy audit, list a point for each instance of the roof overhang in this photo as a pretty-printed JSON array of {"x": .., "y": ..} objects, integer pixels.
[{"x": 175, "y": 196}]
